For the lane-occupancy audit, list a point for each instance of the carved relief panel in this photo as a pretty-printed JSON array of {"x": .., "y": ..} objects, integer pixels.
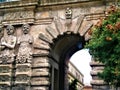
[
  {"x": 18, "y": 17},
  {"x": 7, "y": 46},
  {"x": 22, "y": 59},
  {"x": 25, "y": 42}
]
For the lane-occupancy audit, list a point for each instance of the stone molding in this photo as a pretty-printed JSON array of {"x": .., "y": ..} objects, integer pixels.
[{"x": 14, "y": 4}]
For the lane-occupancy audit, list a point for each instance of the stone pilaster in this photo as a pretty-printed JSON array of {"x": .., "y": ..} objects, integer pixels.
[
  {"x": 22, "y": 76},
  {"x": 40, "y": 74}
]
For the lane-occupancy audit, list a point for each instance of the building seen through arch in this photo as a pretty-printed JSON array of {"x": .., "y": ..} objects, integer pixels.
[{"x": 38, "y": 37}]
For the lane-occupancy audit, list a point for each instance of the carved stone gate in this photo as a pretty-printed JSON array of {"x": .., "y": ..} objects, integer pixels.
[{"x": 39, "y": 57}]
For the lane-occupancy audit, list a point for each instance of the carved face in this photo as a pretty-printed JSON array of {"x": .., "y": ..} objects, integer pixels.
[
  {"x": 68, "y": 13},
  {"x": 26, "y": 28},
  {"x": 10, "y": 29}
]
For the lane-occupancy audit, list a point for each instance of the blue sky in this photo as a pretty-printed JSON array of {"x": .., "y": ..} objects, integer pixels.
[{"x": 81, "y": 60}]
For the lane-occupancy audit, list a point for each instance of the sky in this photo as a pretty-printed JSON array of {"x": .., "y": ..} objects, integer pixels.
[{"x": 81, "y": 60}]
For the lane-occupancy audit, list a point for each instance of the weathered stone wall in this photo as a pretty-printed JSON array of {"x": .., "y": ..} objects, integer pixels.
[{"x": 47, "y": 22}]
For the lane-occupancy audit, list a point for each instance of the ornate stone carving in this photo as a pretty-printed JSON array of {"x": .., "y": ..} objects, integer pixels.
[
  {"x": 4, "y": 87},
  {"x": 4, "y": 69},
  {"x": 7, "y": 46},
  {"x": 4, "y": 78},
  {"x": 18, "y": 15},
  {"x": 23, "y": 79},
  {"x": 23, "y": 68},
  {"x": 20, "y": 87},
  {"x": 25, "y": 46},
  {"x": 68, "y": 13}
]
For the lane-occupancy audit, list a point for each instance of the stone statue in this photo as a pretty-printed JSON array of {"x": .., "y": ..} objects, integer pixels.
[
  {"x": 7, "y": 46},
  {"x": 25, "y": 42}
]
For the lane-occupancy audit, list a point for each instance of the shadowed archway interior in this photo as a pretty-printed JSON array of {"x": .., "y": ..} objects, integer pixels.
[{"x": 63, "y": 48}]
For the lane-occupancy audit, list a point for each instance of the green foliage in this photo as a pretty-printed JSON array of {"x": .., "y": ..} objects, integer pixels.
[
  {"x": 105, "y": 46},
  {"x": 73, "y": 85}
]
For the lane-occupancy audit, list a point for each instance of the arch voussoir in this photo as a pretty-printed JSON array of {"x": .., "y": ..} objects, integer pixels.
[
  {"x": 79, "y": 23},
  {"x": 86, "y": 28},
  {"x": 45, "y": 38},
  {"x": 51, "y": 32}
]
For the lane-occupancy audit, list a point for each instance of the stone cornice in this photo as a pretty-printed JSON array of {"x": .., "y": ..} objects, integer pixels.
[
  {"x": 50, "y": 5},
  {"x": 72, "y": 4},
  {"x": 18, "y": 12},
  {"x": 60, "y": 2},
  {"x": 17, "y": 4}
]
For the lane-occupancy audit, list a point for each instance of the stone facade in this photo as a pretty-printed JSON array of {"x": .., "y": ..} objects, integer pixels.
[{"x": 57, "y": 29}]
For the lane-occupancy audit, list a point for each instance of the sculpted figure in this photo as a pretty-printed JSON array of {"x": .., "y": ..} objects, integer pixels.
[
  {"x": 25, "y": 46},
  {"x": 7, "y": 46}
]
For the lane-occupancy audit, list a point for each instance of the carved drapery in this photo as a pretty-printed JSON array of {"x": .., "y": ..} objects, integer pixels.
[{"x": 25, "y": 42}]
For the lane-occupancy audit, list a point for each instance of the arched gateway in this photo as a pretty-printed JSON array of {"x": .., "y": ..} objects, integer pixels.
[{"x": 57, "y": 30}]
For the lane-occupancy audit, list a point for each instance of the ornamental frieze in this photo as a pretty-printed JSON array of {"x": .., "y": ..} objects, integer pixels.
[
  {"x": 5, "y": 68},
  {"x": 5, "y": 78},
  {"x": 19, "y": 17},
  {"x": 4, "y": 87},
  {"x": 23, "y": 68},
  {"x": 22, "y": 78}
]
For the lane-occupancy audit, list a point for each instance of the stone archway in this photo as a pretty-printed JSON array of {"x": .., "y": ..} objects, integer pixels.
[
  {"x": 64, "y": 47},
  {"x": 63, "y": 40},
  {"x": 58, "y": 31}
]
